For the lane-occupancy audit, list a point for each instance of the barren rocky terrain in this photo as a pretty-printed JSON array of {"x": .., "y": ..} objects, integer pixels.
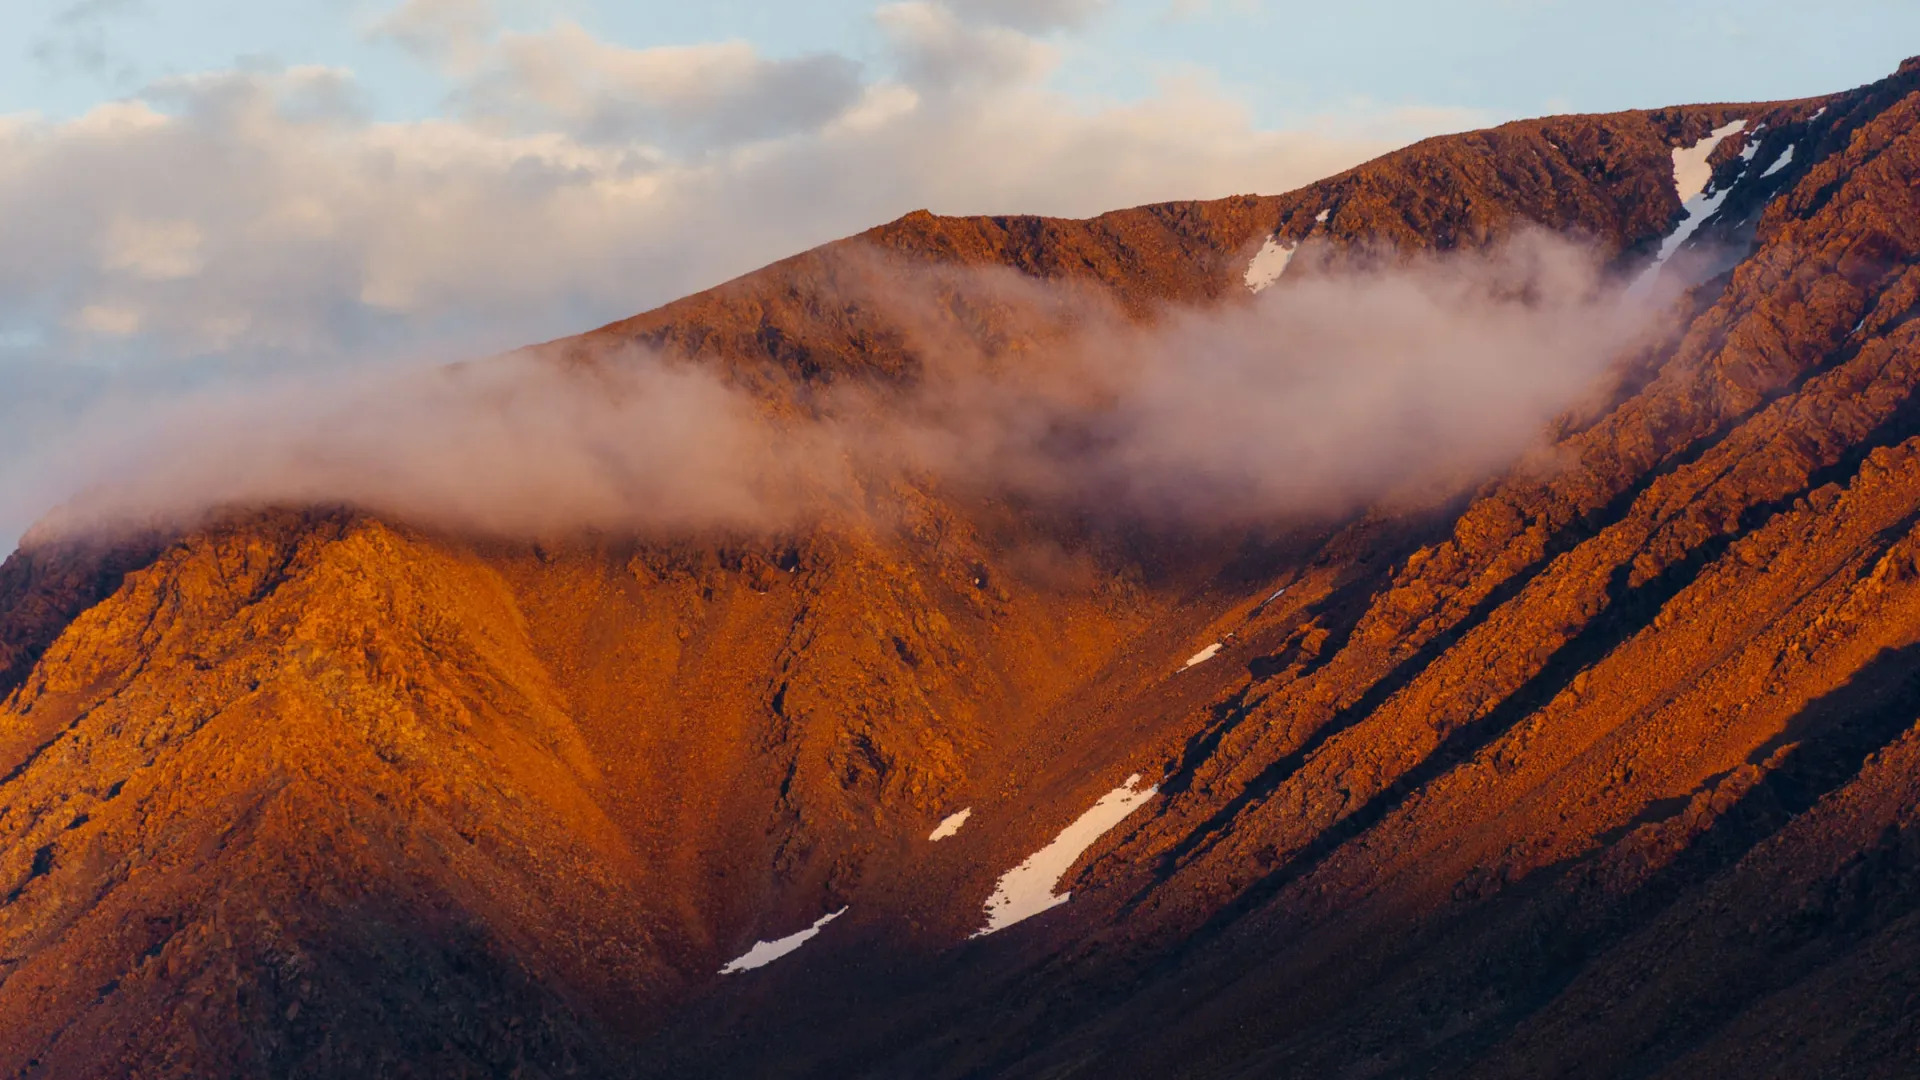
[{"x": 1606, "y": 769}]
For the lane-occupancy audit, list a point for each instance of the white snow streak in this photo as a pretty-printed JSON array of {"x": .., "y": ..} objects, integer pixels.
[
  {"x": 1691, "y": 175},
  {"x": 1027, "y": 889},
  {"x": 951, "y": 824},
  {"x": 1207, "y": 653},
  {"x": 766, "y": 952},
  {"x": 1784, "y": 160},
  {"x": 1321, "y": 217},
  {"x": 1268, "y": 264}
]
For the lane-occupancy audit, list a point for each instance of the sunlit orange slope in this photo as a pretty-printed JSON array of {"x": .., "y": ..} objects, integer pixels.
[{"x": 1601, "y": 770}]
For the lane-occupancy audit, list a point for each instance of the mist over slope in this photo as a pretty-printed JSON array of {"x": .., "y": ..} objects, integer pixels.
[
  {"x": 1477, "y": 673},
  {"x": 1289, "y": 404}
]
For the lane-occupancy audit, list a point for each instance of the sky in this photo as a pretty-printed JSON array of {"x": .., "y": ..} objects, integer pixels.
[
  {"x": 1289, "y": 60},
  {"x": 195, "y": 193}
]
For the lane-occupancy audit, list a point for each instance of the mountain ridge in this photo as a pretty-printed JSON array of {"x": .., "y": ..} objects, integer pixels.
[{"x": 313, "y": 793}]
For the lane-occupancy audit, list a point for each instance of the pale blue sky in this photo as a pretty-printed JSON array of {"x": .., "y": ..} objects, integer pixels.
[{"x": 1287, "y": 59}]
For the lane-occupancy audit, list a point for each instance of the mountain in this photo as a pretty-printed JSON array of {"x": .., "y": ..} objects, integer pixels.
[{"x": 1606, "y": 769}]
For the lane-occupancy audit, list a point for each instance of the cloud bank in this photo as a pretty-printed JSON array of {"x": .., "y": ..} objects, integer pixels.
[
  {"x": 230, "y": 223},
  {"x": 1348, "y": 383},
  {"x": 1330, "y": 391}
]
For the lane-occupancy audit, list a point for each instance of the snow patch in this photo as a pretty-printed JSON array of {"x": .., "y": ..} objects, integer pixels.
[
  {"x": 1207, "y": 653},
  {"x": 1691, "y": 177},
  {"x": 1691, "y": 173},
  {"x": 1321, "y": 217},
  {"x": 951, "y": 824},
  {"x": 1785, "y": 159},
  {"x": 766, "y": 952},
  {"x": 1268, "y": 264},
  {"x": 1027, "y": 889}
]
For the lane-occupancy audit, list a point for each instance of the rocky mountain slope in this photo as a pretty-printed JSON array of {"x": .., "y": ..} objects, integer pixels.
[{"x": 1607, "y": 769}]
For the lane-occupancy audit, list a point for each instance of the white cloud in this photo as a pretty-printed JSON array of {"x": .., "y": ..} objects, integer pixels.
[
  {"x": 248, "y": 219},
  {"x": 1032, "y": 15},
  {"x": 109, "y": 321},
  {"x": 154, "y": 250},
  {"x": 450, "y": 33},
  {"x": 697, "y": 96},
  {"x": 938, "y": 50}
]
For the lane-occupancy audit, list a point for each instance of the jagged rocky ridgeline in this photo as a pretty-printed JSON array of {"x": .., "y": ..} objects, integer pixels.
[{"x": 1604, "y": 770}]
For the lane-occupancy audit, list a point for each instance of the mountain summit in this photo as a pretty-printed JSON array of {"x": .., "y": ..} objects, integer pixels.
[{"x": 1602, "y": 764}]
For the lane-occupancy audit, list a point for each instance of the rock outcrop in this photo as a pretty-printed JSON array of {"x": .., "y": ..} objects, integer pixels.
[{"x": 1600, "y": 770}]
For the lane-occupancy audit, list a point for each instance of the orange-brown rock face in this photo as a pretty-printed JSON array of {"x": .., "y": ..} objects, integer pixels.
[{"x": 1607, "y": 769}]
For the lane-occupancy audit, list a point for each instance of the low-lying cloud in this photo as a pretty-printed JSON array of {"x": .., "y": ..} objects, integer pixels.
[
  {"x": 513, "y": 445},
  {"x": 262, "y": 218},
  {"x": 1334, "y": 389},
  {"x": 1347, "y": 384}
]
